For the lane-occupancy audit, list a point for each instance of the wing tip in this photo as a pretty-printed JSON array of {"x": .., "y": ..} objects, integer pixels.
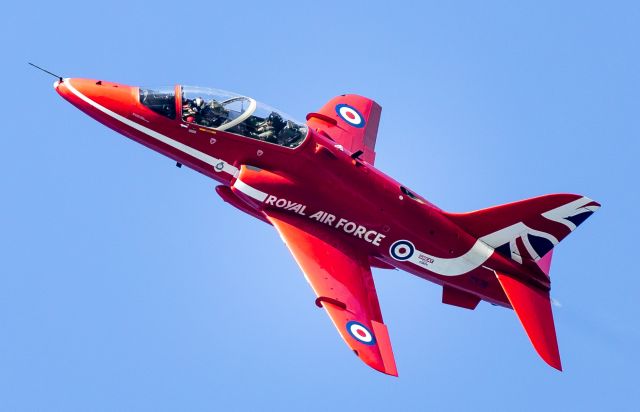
[
  {"x": 386, "y": 351},
  {"x": 550, "y": 355},
  {"x": 380, "y": 366}
]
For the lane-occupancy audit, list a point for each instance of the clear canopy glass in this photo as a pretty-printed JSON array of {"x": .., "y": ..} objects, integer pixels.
[
  {"x": 160, "y": 100},
  {"x": 221, "y": 110}
]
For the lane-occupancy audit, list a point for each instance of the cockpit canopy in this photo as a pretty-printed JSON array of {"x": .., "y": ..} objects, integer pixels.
[
  {"x": 226, "y": 111},
  {"x": 221, "y": 110}
]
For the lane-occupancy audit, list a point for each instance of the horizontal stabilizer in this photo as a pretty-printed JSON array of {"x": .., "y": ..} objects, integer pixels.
[
  {"x": 457, "y": 297},
  {"x": 533, "y": 307}
]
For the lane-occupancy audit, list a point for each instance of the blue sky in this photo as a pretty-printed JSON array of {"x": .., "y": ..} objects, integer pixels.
[{"x": 127, "y": 284}]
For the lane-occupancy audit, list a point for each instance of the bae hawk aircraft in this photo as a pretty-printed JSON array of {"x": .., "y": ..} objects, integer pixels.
[{"x": 316, "y": 184}]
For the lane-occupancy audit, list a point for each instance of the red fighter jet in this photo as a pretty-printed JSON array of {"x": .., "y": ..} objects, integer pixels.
[{"x": 316, "y": 184}]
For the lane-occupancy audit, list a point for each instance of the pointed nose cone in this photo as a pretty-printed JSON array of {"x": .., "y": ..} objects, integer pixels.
[
  {"x": 94, "y": 90},
  {"x": 79, "y": 93},
  {"x": 99, "y": 99},
  {"x": 75, "y": 90},
  {"x": 61, "y": 87}
]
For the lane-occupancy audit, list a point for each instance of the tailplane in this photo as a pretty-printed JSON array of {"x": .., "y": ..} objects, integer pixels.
[
  {"x": 526, "y": 232},
  {"x": 533, "y": 307}
]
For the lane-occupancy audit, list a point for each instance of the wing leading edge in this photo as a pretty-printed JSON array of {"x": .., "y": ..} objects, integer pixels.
[{"x": 341, "y": 278}]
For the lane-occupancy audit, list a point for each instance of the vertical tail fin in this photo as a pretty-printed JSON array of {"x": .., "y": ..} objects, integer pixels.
[{"x": 526, "y": 232}]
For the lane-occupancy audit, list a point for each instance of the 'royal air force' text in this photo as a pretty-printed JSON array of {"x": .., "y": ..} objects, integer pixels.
[{"x": 347, "y": 226}]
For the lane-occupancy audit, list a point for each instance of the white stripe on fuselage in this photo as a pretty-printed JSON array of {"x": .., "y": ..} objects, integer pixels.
[
  {"x": 483, "y": 248},
  {"x": 476, "y": 256},
  {"x": 219, "y": 165},
  {"x": 259, "y": 195}
]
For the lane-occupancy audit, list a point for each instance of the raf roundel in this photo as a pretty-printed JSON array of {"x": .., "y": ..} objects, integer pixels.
[
  {"x": 360, "y": 333},
  {"x": 402, "y": 250},
  {"x": 350, "y": 115}
]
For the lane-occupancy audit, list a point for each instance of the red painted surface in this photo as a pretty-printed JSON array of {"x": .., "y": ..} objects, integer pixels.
[
  {"x": 533, "y": 307},
  {"x": 320, "y": 176}
]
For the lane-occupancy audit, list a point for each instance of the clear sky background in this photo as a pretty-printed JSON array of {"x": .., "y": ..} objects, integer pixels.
[{"x": 127, "y": 284}]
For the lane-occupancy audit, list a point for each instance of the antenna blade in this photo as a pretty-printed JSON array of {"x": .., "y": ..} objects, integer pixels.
[{"x": 46, "y": 71}]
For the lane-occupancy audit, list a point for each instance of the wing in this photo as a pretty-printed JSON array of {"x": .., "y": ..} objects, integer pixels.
[
  {"x": 351, "y": 121},
  {"x": 341, "y": 278}
]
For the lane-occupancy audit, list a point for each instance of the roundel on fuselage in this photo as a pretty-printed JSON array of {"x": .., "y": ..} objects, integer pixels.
[{"x": 402, "y": 250}]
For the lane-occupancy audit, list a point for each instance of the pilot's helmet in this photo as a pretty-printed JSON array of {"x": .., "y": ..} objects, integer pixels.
[
  {"x": 199, "y": 102},
  {"x": 276, "y": 118}
]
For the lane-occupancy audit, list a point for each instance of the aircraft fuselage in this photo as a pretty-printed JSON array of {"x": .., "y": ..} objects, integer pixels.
[{"x": 317, "y": 181}]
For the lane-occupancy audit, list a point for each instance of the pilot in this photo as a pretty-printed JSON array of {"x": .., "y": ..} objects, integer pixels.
[
  {"x": 186, "y": 108},
  {"x": 265, "y": 131},
  {"x": 198, "y": 104},
  {"x": 191, "y": 109},
  {"x": 289, "y": 134},
  {"x": 269, "y": 128},
  {"x": 276, "y": 121}
]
